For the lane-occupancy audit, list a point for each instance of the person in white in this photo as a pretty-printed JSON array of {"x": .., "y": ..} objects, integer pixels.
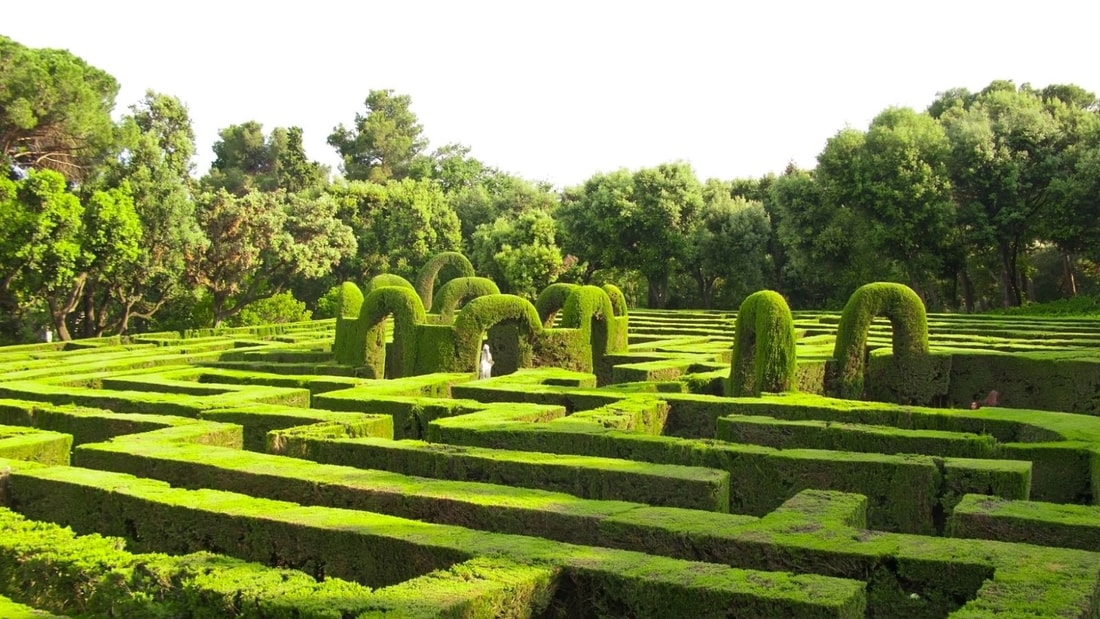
[{"x": 485, "y": 365}]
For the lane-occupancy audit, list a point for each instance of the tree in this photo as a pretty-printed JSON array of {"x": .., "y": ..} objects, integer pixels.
[
  {"x": 55, "y": 109},
  {"x": 294, "y": 172},
  {"x": 55, "y": 244},
  {"x": 399, "y": 225},
  {"x": 384, "y": 143},
  {"x": 637, "y": 221},
  {"x": 157, "y": 144},
  {"x": 1005, "y": 151},
  {"x": 42, "y": 246},
  {"x": 728, "y": 249},
  {"x": 259, "y": 241},
  {"x": 520, "y": 251},
  {"x": 456, "y": 171},
  {"x": 588, "y": 217},
  {"x": 1074, "y": 208},
  {"x": 246, "y": 159},
  {"x": 499, "y": 195},
  {"x": 895, "y": 175},
  {"x": 826, "y": 245}
]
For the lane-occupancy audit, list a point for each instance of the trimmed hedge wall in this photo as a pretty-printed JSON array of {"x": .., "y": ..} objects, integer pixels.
[
  {"x": 764, "y": 357},
  {"x": 1026, "y": 522},
  {"x": 380, "y": 550},
  {"x": 429, "y": 273},
  {"x": 94, "y": 576},
  {"x": 35, "y": 445},
  {"x": 457, "y": 292},
  {"x": 910, "y": 334}
]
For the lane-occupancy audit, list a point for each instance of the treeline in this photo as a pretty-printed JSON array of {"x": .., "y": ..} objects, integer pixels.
[{"x": 985, "y": 199}]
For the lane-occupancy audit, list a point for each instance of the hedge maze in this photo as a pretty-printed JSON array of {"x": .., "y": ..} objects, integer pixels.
[{"x": 759, "y": 463}]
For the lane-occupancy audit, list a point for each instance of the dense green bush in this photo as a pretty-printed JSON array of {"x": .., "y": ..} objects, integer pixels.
[
  {"x": 764, "y": 357},
  {"x": 276, "y": 309}
]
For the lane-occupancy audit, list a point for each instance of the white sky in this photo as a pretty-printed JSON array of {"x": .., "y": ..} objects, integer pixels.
[{"x": 561, "y": 90}]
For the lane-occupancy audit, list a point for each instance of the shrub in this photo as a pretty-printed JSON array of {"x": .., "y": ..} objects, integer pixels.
[{"x": 277, "y": 309}]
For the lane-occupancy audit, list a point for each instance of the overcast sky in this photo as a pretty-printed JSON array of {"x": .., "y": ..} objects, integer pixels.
[{"x": 561, "y": 90}]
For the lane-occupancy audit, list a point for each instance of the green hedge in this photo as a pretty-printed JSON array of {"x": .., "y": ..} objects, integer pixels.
[
  {"x": 35, "y": 445},
  {"x": 453, "y": 294},
  {"x": 587, "y": 477},
  {"x": 819, "y": 434},
  {"x": 429, "y": 273},
  {"x": 551, "y": 300},
  {"x": 386, "y": 279},
  {"x": 910, "y": 334},
  {"x": 49, "y": 567},
  {"x": 380, "y": 550},
  {"x": 764, "y": 357},
  {"x": 1026, "y": 522}
]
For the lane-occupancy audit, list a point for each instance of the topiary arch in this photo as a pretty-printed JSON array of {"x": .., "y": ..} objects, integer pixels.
[
  {"x": 426, "y": 278},
  {"x": 458, "y": 291},
  {"x": 551, "y": 300},
  {"x": 909, "y": 324},
  {"x": 764, "y": 357},
  {"x": 386, "y": 279},
  {"x": 362, "y": 340},
  {"x": 482, "y": 313}
]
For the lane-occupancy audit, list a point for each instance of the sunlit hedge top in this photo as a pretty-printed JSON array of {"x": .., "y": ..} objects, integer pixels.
[
  {"x": 551, "y": 300},
  {"x": 386, "y": 279},
  {"x": 908, "y": 320},
  {"x": 459, "y": 290},
  {"x": 764, "y": 355},
  {"x": 426, "y": 278}
]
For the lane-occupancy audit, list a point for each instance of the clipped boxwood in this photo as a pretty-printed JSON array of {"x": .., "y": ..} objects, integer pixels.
[
  {"x": 765, "y": 327},
  {"x": 429, "y": 273},
  {"x": 458, "y": 291},
  {"x": 909, "y": 323}
]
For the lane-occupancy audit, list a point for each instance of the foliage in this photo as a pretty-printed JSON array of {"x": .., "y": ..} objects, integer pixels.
[
  {"x": 519, "y": 250},
  {"x": 54, "y": 110},
  {"x": 1082, "y": 305},
  {"x": 639, "y": 221},
  {"x": 55, "y": 243},
  {"x": 260, "y": 240},
  {"x": 499, "y": 195},
  {"x": 157, "y": 144},
  {"x": 1004, "y": 155},
  {"x": 398, "y": 225},
  {"x": 826, "y": 248},
  {"x": 246, "y": 160},
  {"x": 383, "y": 144},
  {"x": 276, "y": 309},
  {"x": 764, "y": 357},
  {"x": 895, "y": 176},
  {"x": 727, "y": 251}
]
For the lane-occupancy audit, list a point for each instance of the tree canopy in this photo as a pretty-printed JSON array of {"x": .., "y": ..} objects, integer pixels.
[{"x": 55, "y": 109}]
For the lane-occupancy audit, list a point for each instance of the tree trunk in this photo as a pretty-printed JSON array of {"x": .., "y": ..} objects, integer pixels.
[
  {"x": 658, "y": 291},
  {"x": 1011, "y": 296},
  {"x": 1071, "y": 278},
  {"x": 60, "y": 312},
  {"x": 967, "y": 290},
  {"x": 705, "y": 286},
  {"x": 89, "y": 326}
]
